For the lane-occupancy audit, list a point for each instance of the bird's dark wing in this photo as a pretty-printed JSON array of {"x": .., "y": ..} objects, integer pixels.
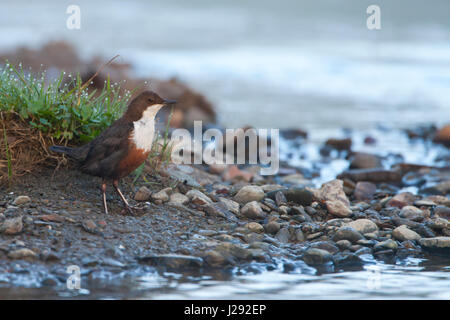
[{"x": 107, "y": 150}]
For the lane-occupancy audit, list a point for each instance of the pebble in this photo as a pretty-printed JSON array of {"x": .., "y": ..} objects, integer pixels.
[
  {"x": 362, "y": 160},
  {"x": 347, "y": 233},
  {"x": 363, "y": 226},
  {"x": 411, "y": 212},
  {"x": 283, "y": 235},
  {"x": 21, "y": 200},
  {"x": 248, "y": 194},
  {"x": 23, "y": 253},
  {"x": 231, "y": 205},
  {"x": 314, "y": 256},
  {"x": 11, "y": 226},
  {"x": 387, "y": 244},
  {"x": 338, "y": 208},
  {"x": 162, "y": 195},
  {"x": 178, "y": 199},
  {"x": 252, "y": 210},
  {"x": 440, "y": 244},
  {"x": 143, "y": 194},
  {"x": 343, "y": 244},
  {"x": 255, "y": 227},
  {"x": 272, "y": 227},
  {"x": 214, "y": 258},
  {"x": 364, "y": 190},
  {"x": 198, "y": 197},
  {"x": 401, "y": 200},
  {"x": 402, "y": 233},
  {"x": 174, "y": 261}
]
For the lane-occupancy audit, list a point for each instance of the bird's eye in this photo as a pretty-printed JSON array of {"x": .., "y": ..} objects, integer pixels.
[{"x": 150, "y": 100}]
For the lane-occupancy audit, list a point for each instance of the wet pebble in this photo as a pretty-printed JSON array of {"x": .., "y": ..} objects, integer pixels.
[
  {"x": 248, "y": 194},
  {"x": 252, "y": 210}
]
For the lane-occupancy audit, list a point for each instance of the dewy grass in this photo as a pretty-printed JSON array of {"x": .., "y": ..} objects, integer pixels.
[{"x": 63, "y": 109}]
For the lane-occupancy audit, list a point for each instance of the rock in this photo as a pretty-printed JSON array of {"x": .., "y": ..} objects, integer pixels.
[
  {"x": 333, "y": 191},
  {"x": 252, "y": 210},
  {"x": 272, "y": 187},
  {"x": 272, "y": 227},
  {"x": 388, "y": 244},
  {"x": 234, "y": 173},
  {"x": 347, "y": 233},
  {"x": 400, "y": 200},
  {"x": 23, "y": 253},
  {"x": 214, "y": 259},
  {"x": 402, "y": 233},
  {"x": 11, "y": 226},
  {"x": 411, "y": 212},
  {"x": 173, "y": 261},
  {"x": 21, "y": 200},
  {"x": 231, "y": 250},
  {"x": 372, "y": 175},
  {"x": 325, "y": 245},
  {"x": 339, "y": 144},
  {"x": 343, "y": 244},
  {"x": 437, "y": 244},
  {"x": 198, "y": 197},
  {"x": 361, "y": 160},
  {"x": 90, "y": 226},
  {"x": 255, "y": 227},
  {"x": 338, "y": 209},
  {"x": 162, "y": 195},
  {"x": 364, "y": 190},
  {"x": 442, "y": 212},
  {"x": 295, "y": 179},
  {"x": 300, "y": 196},
  {"x": 230, "y": 205},
  {"x": 314, "y": 256},
  {"x": 283, "y": 235},
  {"x": 441, "y": 188},
  {"x": 143, "y": 194},
  {"x": 248, "y": 194},
  {"x": 438, "y": 223},
  {"x": 443, "y": 136},
  {"x": 363, "y": 226},
  {"x": 219, "y": 209},
  {"x": 178, "y": 199}
]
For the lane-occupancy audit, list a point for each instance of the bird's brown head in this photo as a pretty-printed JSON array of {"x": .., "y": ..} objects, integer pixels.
[{"x": 146, "y": 104}]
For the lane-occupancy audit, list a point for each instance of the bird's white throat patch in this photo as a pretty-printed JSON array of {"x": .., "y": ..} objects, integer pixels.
[{"x": 144, "y": 129}]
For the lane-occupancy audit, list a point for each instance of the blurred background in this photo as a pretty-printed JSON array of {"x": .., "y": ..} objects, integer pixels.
[{"x": 280, "y": 64}]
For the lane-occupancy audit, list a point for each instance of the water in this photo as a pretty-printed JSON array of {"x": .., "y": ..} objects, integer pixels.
[{"x": 275, "y": 64}]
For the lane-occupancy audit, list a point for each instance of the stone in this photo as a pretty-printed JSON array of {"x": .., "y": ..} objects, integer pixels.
[
  {"x": 314, "y": 256},
  {"x": 333, "y": 191},
  {"x": 374, "y": 175},
  {"x": 23, "y": 253},
  {"x": 301, "y": 196},
  {"x": 218, "y": 209},
  {"x": 174, "y": 261},
  {"x": 229, "y": 250},
  {"x": 255, "y": 227},
  {"x": 295, "y": 179},
  {"x": 364, "y": 190},
  {"x": 387, "y": 244},
  {"x": 347, "y": 233},
  {"x": 437, "y": 244},
  {"x": 21, "y": 200},
  {"x": 143, "y": 194},
  {"x": 162, "y": 195},
  {"x": 402, "y": 233},
  {"x": 411, "y": 212},
  {"x": 443, "y": 136},
  {"x": 283, "y": 235},
  {"x": 363, "y": 226},
  {"x": 362, "y": 160},
  {"x": 214, "y": 259},
  {"x": 248, "y": 194},
  {"x": 178, "y": 199},
  {"x": 338, "y": 209},
  {"x": 442, "y": 212},
  {"x": 272, "y": 227},
  {"x": 252, "y": 210},
  {"x": 231, "y": 205},
  {"x": 198, "y": 197},
  {"x": 11, "y": 226},
  {"x": 401, "y": 200},
  {"x": 340, "y": 144},
  {"x": 343, "y": 244}
]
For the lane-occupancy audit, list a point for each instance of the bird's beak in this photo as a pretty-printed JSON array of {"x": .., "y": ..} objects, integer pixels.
[{"x": 169, "y": 102}]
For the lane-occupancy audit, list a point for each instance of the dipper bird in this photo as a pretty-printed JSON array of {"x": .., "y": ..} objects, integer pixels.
[{"x": 123, "y": 146}]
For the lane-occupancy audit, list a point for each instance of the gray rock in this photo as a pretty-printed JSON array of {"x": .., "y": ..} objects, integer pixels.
[
  {"x": 23, "y": 253},
  {"x": 178, "y": 199},
  {"x": 174, "y": 261},
  {"x": 314, "y": 256},
  {"x": 218, "y": 209},
  {"x": 283, "y": 235},
  {"x": 11, "y": 226},
  {"x": 347, "y": 233},
  {"x": 21, "y": 200},
  {"x": 363, "y": 226},
  {"x": 411, "y": 212},
  {"x": 231, "y": 205},
  {"x": 387, "y": 244},
  {"x": 402, "y": 233},
  {"x": 338, "y": 208},
  {"x": 364, "y": 190},
  {"x": 248, "y": 194},
  {"x": 255, "y": 227},
  {"x": 143, "y": 194},
  {"x": 437, "y": 244},
  {"x": 343, "y": 244},
  {"x": 272, "y": 227},
  {"x": 162, "y": 195},
  {"x": 252, "y": 210},
  {"x": 198, "y": 197}
]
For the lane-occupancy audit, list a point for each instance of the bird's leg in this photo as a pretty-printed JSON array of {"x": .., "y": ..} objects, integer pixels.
[
  {"x": 125, "y": 202},
  {"x": 105, "y": 207}
]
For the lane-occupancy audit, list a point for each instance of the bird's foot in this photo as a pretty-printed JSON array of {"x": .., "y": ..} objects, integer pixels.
[{"x": 131, "y": 210}]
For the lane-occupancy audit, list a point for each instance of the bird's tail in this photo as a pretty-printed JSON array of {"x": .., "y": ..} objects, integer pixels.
[{"x": 66, "y": 150}]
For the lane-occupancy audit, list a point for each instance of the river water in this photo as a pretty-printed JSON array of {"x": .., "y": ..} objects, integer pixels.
[{"x": 278, "y": 64}]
